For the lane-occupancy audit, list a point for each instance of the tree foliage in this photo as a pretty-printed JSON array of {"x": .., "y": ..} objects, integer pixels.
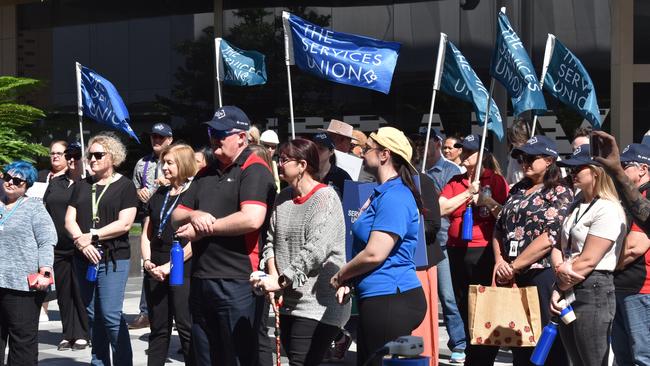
[{"x": 16, "y": 121}]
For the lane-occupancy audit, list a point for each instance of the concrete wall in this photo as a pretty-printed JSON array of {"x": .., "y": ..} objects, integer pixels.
[{"x": 8, "y": 40}]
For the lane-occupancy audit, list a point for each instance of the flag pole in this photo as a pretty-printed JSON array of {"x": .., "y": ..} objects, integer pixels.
[
  {"x": 288, "y": 59},
  {"x": 550, "y": 45},
  {"x": 80, "y": 113},
  {"x": 293, "y": 127},
  {"x": 217, "y": 48},
  {"x": 485, "y": 123},
  {"x": 436, "y": 86}
]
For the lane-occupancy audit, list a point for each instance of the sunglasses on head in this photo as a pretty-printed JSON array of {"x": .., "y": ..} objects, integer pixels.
[
  {"x": 215, "y": 134},
  {"x": 14, "y": 180},
  {"x": 99, "y": 155},
  {"x": 528, "y": 159}
]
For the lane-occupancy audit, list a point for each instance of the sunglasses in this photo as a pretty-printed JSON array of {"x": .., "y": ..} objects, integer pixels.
[
  {"x": 214, "y": 134},
  {"x": 528, "y": 159},
  {"x": 72, "y": 155},
  {"x": 14, "y": 180},
  {"x": 97, "y": 155},
  {"x": 576, "y": 170},
  {"x": 367, "y": 148},
  {"x": 629, "y": 164}
]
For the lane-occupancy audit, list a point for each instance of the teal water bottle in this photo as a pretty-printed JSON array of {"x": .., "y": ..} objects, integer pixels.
[
  {"x": 468, "y": 224},
  {"x": 177, "y": 263}
]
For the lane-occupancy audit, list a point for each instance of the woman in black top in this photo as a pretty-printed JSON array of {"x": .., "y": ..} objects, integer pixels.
[
  {"x": 164, "y": 301},
  {"x": 71, "y": 306},
  {"x": 99, "y": 217}
]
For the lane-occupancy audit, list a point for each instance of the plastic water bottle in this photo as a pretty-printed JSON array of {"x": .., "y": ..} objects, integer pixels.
[
  {"x": 468, "y": 224},
  {"x": 484, "y": 211},
  {"x": 93, "y": 269},
  {"x": 177, "y": 262},
  {"x": 545, "y": 343}
]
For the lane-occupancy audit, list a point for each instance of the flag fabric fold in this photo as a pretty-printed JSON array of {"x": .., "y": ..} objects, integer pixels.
[
  {"x": 512, "y": 67},
  {"x": 339, "y": 57},
  {"x": 102, "y": 102},
  {"x": 459, "y": 80},
  {"x": 568, "y": 80},
  {"x": 240, "y": 67}
]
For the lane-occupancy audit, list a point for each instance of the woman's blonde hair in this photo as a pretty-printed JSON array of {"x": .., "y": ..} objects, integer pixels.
[
  {"x": 112, "y": 144},
  {"x": 183, "y": 156},
  {"x": 604, "y": 186}
]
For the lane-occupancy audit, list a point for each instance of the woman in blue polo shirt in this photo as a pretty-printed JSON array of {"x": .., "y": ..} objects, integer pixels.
[{"x": 391, "y": 300}]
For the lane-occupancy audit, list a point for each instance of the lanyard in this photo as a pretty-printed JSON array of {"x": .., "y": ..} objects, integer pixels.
[
  {"x": 578, "y": 217},
  {"x": 144, "y": 173},
  {"x": 4, "y": 218},
  {"x": 164, "y": 217},
  {"x": 96, "y": 200}
]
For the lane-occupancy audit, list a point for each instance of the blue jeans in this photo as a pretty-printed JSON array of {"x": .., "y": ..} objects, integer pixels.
[
  {"x": 631, "y": 331},
  {"x": 104, "y": 299},
  {"x": 453, "y": 321}
]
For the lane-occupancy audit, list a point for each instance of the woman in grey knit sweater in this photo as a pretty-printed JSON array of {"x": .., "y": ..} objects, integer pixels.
[{"x": 305, "y": 247}]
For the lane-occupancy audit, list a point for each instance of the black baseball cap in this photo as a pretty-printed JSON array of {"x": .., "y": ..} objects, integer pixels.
[
  {"x": 435, "y": 133},
  {"x": 470, "y": 143},
  {"x": 581, "y": 156},
  {"x": 536, "y": 145},
  {"x": 229, "y": 118},
  {"x": 639, "y": 153},
  {"x": 162, "y": 129},
  {"x": 324, "y": 140}
]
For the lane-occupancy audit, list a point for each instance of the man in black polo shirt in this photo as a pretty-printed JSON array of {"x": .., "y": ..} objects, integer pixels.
[{"x": 224, "y": 212}]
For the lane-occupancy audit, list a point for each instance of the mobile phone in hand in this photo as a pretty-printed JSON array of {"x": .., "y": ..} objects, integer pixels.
[{"x": 594, "y": 146}]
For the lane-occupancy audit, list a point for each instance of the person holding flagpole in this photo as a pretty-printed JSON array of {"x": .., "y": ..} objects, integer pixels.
[
  {"x": 99, "y": 216},
  {"x": 471, "y": 262}
]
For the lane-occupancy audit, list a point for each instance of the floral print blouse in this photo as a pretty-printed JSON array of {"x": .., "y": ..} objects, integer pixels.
[{"x": 525, "y": 217}]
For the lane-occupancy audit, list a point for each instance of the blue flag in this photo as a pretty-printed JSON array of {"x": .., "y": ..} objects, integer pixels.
[
  {"x": 102, "y": 102},
  {"x": 511, "y": 66},
  {"x": 567, "y": 80},
  {"x": 240, "y": 67},
  {"x": 459, "y": 80},
  {"x": 339, "y": 57}
]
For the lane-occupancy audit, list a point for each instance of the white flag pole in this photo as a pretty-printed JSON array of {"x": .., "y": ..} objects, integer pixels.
[
  {"x": 485, "y": 123},
  {"x": 442, "y": 46},
  {"x": 219, "y": 64},
  {"x": 80, "y": 113},
  {"x": 550, "y": 46},
  {"x": 288, "y": 58}
]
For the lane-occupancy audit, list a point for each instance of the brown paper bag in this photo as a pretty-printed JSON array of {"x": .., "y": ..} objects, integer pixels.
[{"x": 502, "y": 316}]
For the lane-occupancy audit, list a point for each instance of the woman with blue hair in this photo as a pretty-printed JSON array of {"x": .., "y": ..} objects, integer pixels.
[{"x": 27, "y": 239}]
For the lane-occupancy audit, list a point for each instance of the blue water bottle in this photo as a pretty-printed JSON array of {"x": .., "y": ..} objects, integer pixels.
[
  {"x": 545, "y": 343},
  {"x": 91, "y": 272},
  {"x": 468, "y": 224},
  {"x": 177, "y": 262}
]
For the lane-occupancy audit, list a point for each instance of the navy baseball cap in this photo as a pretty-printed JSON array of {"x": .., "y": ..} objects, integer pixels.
[
  {"x": 323, "y": 139},
  {"x": 229, "y": 118},
  {"x": 470, "y": 142},
  {"x": 536, "y": 145},
  {"x": 73, "y": 147},
  {"x": 162, "y": 129},
  {"x": 581, "y": 156},
  {"x": 639, "y": 153},
  {"x": 435, "y": 133}
]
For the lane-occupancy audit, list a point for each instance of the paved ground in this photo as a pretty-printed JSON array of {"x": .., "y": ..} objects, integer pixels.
[{"x": 50, "y": 336}]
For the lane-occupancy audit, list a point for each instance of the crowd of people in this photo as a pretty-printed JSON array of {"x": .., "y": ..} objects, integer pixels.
[{"x": 262, "y": 227}]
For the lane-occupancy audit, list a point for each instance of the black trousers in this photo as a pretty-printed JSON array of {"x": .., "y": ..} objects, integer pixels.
[
  {"x": 71, "y": 306},
  {"x": 384, "y": 318},
  {"x": 19, "y": 312},
  {"x": 225, "y": 322},
  {"x": 305, "y": 341},
  {"x": 166, "y": 303},
  {"x": 266, "y": 347}
]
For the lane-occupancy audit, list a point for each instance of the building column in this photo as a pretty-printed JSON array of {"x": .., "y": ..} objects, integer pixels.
[
  {"x": 622, "y": 71},
  {"x": 8, "y": 40}
]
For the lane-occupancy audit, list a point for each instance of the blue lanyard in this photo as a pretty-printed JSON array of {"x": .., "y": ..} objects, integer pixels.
[
  {"x": 4, "y": 218},
  {"x": 164, "y": 217}
]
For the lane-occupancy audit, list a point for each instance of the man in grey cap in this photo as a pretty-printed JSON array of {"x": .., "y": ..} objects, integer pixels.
[{"x": 147, "y": 177}]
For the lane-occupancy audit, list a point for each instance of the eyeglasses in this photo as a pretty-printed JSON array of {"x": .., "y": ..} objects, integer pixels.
[
  {"x": 628, "y": 164},
  {"x": 284, "y": 160},
  {"x": 56, "y": 153},
  {"x": 70, "y": 156},
  {"x": 367, "y": 148},
  {"x": 99, "y": 155},
  {"x": 215, "y": 134},
  {"x": 528, "y": 159},
  {"x": 14, "y": 180}
]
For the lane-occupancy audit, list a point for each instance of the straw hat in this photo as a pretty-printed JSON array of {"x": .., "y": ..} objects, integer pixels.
[{"x": 394, "y": 140}]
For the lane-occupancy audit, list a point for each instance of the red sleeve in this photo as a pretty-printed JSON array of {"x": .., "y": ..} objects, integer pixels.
[
  {"x": 500, "y": 188},
  {"x": 448, "y": 189}
]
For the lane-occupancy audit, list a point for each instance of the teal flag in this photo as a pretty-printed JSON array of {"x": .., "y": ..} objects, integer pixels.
[{"x": 239, "y": 67}]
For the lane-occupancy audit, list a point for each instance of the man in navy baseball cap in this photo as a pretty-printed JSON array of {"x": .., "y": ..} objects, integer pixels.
[
  {"x": 229, "y": 118},
  {"x": 161, "y": 129}
]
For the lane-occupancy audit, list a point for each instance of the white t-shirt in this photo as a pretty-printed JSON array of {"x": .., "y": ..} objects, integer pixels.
[{"x": 605, "y": 219}]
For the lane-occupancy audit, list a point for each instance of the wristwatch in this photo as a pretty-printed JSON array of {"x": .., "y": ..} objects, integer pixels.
[{"x": 283, "y": 281}]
